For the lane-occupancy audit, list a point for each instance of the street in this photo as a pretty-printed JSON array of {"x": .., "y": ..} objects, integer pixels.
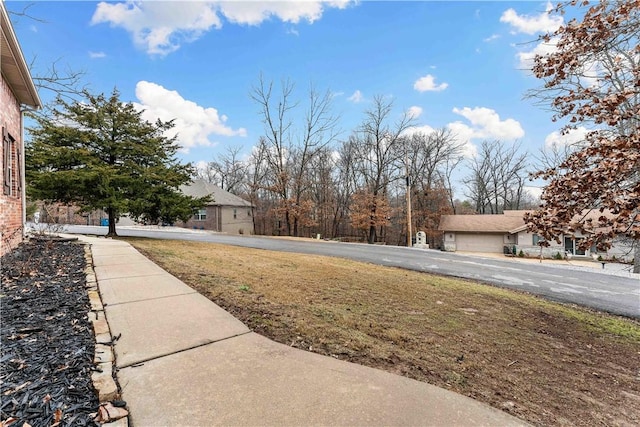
[{"x": 595, "y": 289}]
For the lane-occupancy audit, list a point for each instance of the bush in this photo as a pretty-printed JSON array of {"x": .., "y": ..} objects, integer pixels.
[
  {"x": 558, "y": 255},
  {"x": 521, "y": 254}
]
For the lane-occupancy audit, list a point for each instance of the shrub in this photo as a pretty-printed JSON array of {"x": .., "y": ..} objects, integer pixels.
[
  {"x": 558, "y": 255},
  {"x": 521, "y": 254}
]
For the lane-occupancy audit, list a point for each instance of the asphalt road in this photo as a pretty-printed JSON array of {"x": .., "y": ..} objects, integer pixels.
[{"x": 613, "y": 294}]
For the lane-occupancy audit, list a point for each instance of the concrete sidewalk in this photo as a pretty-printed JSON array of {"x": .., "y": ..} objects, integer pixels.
[{"x": 183, "y": 361}]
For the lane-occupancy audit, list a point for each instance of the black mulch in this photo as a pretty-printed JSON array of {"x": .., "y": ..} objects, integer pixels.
[{"x": 47, "y": 343}]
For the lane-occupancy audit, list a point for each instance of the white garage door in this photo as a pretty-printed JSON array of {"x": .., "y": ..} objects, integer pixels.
[{"x": 479, "y": 242}]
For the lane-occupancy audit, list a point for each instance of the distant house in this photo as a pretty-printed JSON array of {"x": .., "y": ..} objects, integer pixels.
[
  {"x": 507, "y": 233},
  {"x": 17, "y": 93},
  {"x": 227, "y": 213}
]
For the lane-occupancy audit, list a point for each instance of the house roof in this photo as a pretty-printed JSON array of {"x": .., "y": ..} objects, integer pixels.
[
  {"x": 13, "y": 66},
  {"x": 509, "y": 222},
  {"x": 201, "y": 188},
  {"x": 502, "y": 223}
]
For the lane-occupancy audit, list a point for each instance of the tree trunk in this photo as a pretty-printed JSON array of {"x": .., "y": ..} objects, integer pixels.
[
  {"x": 372, "y": 234},
  {"x": 636, "y": 258},
  {"x": 112, "y": 222},
  {"x": 287, "y": 219}
]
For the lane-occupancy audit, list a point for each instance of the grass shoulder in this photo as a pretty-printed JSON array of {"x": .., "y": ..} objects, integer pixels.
[{"x": 545, "y": 362}]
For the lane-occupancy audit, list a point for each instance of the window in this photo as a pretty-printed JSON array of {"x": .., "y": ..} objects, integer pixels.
[
  {"x": 8, "y": 166},
  {"x": 235, "y": 213},
  {"x": 249, "y": 212},
  {"x": 201, "y": 215},
  {"x": 536, "y": 239}
]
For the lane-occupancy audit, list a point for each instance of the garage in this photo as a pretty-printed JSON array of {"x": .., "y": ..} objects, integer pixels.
[{"x": 484, "y": 242}]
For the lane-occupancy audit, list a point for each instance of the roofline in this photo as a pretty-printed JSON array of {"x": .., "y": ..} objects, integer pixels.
[
  {"x": 14, "y": 46},
  {"x": 519, "y": 229},
  {"x": 229, "y": 206}
]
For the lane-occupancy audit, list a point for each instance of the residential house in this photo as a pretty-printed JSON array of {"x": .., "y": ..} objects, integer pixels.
[
  {"x": 17, "y": 93},
  {"x": 226, "y": 213},
  {"x": 507, "y": 233}
]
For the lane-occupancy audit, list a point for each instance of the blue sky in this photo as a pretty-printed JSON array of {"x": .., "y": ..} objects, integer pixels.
[{"x": 460, "y": 65}]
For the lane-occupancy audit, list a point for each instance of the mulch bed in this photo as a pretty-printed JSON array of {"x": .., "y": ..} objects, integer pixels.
[{"x": 46, "y": 356}]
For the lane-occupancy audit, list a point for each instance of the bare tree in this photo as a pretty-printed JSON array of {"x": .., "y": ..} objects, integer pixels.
[
  {"x": 378, "y": 144},
  {"x": 257, "y": 183},
  {"x": 228, "y": 171},
  {"x": 430, "y": 159},
  {"x": 497, "y": 178},
  {"x": 347, "y": 183},
  {"x": 290, "y": 149},
  {"x": 63, "y": 82}
]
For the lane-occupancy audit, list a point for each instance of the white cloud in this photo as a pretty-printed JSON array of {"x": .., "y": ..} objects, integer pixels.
[
  {"x": 201, "y": 165},
  {"x": 464, "y": 134},
  {"x": 491, "y": 38},
  {"x": 536, "y": 192},
  {"x": 414, "y": 111},
  {"x": 356, "y": 97},
  {"x": 428, "y": 84},
  {"x": 253, "y": 13},
  {"x": 194, "y": 124},
  {"x": 485, "y": 124},
  {"x": 161, "y": 27},
  {"x": 424, "y": 129},
  {"x": 97, "y": 54},
  {"x": 525, "y": 59},
  {"x": 557, "y": 140},
  {"x": 544, "y": 22},
  {"x": 588, "y": 72}
]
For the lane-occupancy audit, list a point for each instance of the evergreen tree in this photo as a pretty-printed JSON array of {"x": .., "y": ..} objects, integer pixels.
[{"x": 101, "y": 154}]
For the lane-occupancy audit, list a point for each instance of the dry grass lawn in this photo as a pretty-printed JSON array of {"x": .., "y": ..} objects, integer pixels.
[{"x": 546, "y": 363}]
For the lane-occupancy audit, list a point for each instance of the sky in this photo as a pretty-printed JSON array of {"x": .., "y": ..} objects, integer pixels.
[{"x": 453, "y": 64}]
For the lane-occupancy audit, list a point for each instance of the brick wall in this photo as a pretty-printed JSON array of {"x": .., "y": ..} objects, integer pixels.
[
  {"x": 211, "y": 223},
  {"x": 10, "y": 205}
]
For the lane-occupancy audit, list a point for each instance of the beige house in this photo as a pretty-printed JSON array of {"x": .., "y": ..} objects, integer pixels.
[
  {"x": 17, "y": 93},
  {"x": 505, "y": 233},
  {"x": 227, "y": 213}
]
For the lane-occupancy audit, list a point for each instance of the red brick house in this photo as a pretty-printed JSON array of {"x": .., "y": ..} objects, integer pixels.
[{"x": 17, "y": 93}]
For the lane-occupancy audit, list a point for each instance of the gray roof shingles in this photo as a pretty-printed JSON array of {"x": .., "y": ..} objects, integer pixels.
[{"x": 201, "y": 188}]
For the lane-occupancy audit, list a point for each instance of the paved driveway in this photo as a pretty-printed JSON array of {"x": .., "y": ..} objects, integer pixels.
[{"x": 588, "y": 287}]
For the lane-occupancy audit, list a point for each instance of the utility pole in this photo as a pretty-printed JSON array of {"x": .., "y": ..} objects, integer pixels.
[{"x": 408, "y": 181}]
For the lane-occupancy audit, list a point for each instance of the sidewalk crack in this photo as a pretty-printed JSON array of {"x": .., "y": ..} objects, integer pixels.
[
  {"x": 150, "y": 299},
  {"x": 143, "y": 361}
]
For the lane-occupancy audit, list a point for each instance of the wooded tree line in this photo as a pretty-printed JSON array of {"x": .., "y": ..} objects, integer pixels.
[{"x": 305, "y": 177}]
